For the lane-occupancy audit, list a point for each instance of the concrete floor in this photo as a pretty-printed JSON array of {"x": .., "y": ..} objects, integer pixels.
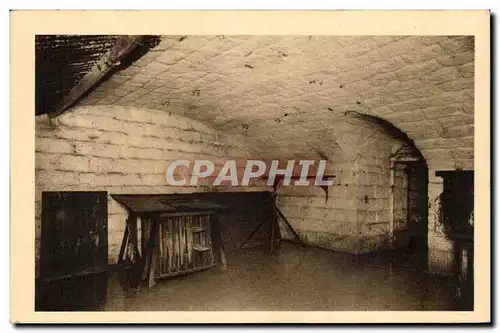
[{"x": 294, "y": 278}]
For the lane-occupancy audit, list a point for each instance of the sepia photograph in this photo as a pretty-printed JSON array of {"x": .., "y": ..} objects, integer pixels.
[{"x": 266, "y": 172}]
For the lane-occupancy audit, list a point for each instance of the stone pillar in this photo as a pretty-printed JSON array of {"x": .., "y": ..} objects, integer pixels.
[{"x": 441, "y": 253}]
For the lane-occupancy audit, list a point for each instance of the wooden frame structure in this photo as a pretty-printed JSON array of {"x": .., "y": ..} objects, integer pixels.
[
  {"x": 276, "y": 213},
  {"x": 153, "y": 207}
]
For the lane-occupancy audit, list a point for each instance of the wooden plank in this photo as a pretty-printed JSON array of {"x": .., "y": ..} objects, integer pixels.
[
  {"x": 182, "y": 241},
  {"x": 170, "y": 246},
  {"x": 189, "y": 242},
  {"x": 123, "y": 246},
  {"x": 195, "y": 269},
  {"x": 201, "y": 248},
  {"x": 186, "y": 213},
  {"x": 179, "y": 245},
  {"x": 164, "y": 240},
  {"x": 186, "y": 232},
  {"x": 210, "y": 240},
  {"x": 154, "y": 257},
  {"x": 221, "y": 245},
  {"x": 124, "y": 46},
  {"x": 288, "y": 224},
  {"x": 151, "y": 252},
  {"x": 202, "y": 242},
  {"x": 175, "y": 235},
  {"x": 132, "y": 224},
  {"x": 145, "y": 251},
  {"x": 161, "y": 249}
]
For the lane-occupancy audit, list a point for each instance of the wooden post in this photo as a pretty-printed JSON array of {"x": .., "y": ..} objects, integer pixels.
[
  {"x": 123, "y": 47},
  {"x": 150, "y": 254},
  {"x": 123, "y": 246},
  {"x": 218, "y": 239},
  {"x": 132, "y": 225},
  {"x": 288, "y": 224},
  {"x": 152, "y": 266},
  {"x": 146, "y": 258}
]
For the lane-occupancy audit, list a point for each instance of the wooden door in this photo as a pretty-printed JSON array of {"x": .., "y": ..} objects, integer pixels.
[
  {"x": 417, "y": 203},
  {"x": 400, "y": 209},
  {"x": 74, "y": 251},
  {"x": 418, "y": 212}
]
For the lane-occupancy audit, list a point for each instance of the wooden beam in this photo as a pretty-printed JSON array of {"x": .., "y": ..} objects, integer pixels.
[
  {"x": 279, "y": 180},
  {"x": 254, "y": 231},
  {"x": 123, "y": 47},
  {"x": 123, "y": 247},
  {"x": 283, "y": 217}
]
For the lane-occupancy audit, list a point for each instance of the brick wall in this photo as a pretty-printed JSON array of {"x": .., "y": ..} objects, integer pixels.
[
  {"x": 330, "y": 224},
  {"x": 356, "y": 217},
  {"x": 127, "y": 150},
  {"x": 286, "y": 95},
  {"x": 119, "y": 150},
  {"x": 275, "y": 89},
  {"x": 400, "y": 205}
]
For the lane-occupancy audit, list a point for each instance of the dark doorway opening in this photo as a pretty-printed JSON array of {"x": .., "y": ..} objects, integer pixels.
[
  {"x": 411, "y": 211},
  {"x": 456, "y": 216}
]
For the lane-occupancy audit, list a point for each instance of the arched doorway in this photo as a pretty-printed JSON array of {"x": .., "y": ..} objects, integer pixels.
[{"x": 409, "y": 204}]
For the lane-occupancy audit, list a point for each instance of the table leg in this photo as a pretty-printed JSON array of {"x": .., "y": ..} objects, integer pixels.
[
  {"x": 150, "y": 256},
  {"x": 218, "y": 240},
  {"x": 123, "y": 246}
]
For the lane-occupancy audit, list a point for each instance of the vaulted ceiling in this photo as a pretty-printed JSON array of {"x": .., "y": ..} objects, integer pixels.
[{"x": 290, "y": 95}]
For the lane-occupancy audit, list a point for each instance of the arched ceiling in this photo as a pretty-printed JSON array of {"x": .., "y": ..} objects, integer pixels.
[{"x": 291, "y": 95}]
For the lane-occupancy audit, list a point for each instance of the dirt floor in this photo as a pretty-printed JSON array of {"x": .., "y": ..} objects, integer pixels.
[{"x": 296, "y": 278}]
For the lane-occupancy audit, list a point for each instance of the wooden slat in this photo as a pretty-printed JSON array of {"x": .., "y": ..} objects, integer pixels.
[
  {"x": 177, "y": 214},
  {"x": 169, "y": 246},
  {"x": 123, "y": 246},
  {"x": 166, "y": 255},
  {"x": 177, "y": 241},
  {"x": 280, "y": 213},
  {"x": 161, "y": 255},
  {"x": 209, "y": 237},
  {"x": 189, "y": 241},
  {"x": 179, "y": 247},
  {"x": 182, "y": 241},
  {"x": 201, "y": 248}
]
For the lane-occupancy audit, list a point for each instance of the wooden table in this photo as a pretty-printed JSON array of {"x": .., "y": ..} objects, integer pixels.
[{"x": 185, "y": 230}]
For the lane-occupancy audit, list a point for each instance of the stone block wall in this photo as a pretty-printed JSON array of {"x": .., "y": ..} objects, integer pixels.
[
  {"x": 119, "y": 150},
  {"x": 355, "y": 219},
  {"x": 441, "y": 252}
]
